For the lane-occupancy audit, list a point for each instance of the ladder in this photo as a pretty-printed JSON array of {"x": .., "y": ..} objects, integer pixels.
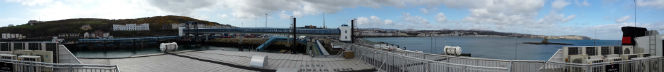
[{"x": 652, "y": 46}]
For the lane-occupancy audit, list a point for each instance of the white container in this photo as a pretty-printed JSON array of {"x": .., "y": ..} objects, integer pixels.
[
  {"x": 452, "y": 50},
  {"x": 167, "y": 47},
  {"x": 258, "y": 61}
]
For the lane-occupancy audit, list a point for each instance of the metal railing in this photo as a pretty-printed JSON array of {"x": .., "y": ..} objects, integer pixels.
[
  {"x": 410, "y": 61},
  {"x": 637, "y": 65},
  {"x": 31, "y": 66},
  {"x": 420, "y": 62}
]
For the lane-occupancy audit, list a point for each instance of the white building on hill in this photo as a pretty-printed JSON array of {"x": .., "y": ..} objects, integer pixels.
[{"x": 131, "y": 27}]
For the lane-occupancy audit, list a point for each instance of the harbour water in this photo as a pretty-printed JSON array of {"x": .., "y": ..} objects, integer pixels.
[{"x": 490, "y": 47}]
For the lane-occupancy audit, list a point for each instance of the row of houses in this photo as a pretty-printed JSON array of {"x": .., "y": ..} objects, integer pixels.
[
  {"x": 12, "y": 36},
  {"x": 176, "y": 26},
  {"x": 131, "y": 27}
]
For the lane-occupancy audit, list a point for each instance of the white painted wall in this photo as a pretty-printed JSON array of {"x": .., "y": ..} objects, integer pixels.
[{"x": 345, "y": 34}]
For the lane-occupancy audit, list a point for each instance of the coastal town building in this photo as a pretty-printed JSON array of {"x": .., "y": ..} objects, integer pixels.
[
  {"x": 131, "y": 27},
  {"x": 97, "y": 35},
  {"x": 176, "y": 26},
  {"x": 69, "y": 35},
  {"x": 12, "y": 36}
]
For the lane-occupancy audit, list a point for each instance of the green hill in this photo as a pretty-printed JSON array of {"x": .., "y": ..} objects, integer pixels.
[{"x": 158, "y": 26}]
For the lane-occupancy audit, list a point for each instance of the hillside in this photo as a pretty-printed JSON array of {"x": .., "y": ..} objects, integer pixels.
[
  {"x": 158, "y": 25},
  {"x": 421, "y": 33}
]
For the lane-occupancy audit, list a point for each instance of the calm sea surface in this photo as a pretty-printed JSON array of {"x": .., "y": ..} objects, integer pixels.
[{"x": 490, "y": 47}]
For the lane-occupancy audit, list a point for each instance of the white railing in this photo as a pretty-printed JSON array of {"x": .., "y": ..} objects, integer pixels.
[
  {"x": 404, "y": 61},
  {"x": 655, "y": 64},
  {"x": 31, "y": 66},
  {"x": 420, "y": 62}
]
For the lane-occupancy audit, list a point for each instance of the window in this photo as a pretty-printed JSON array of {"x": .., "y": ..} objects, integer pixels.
[
  {"x": 4, "y": 47},
  {"x": 605, "y": 51},
  {"x": 591, "y": 51},
  {"x": 51, "y": 47},
  {"x": 19, "y": 46},
  {"x": 617, "y": 50},
  {"x": 573, "y": 50},
  {"x": 5, "y": 57},
  {"x": 627, "y": 51},
  {"x": 34, "y": 46}
]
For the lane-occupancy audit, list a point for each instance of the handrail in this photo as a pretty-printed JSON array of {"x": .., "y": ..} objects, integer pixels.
[
  {"x": 64, "y": 66},
  {"x": 460, "y": 57},
  {"x": 369, "y": 52}
]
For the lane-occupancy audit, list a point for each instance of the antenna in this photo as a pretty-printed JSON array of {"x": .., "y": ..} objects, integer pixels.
[
  {"x": 324, "y": 26},
  {"x": 265, "y": 20},
  {"x": 634, "y": 13}
]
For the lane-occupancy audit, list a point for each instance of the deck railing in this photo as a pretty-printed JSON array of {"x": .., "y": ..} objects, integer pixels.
[
  {"x": 419, "y": 62},
  {"x": 31, "y": 66},
  {"x": 409, "y": 61}
]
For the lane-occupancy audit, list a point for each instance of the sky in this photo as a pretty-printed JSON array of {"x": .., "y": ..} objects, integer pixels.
[{"x": 600, "y": 19}]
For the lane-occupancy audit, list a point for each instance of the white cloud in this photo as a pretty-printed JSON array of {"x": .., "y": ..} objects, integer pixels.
[
  {"x": 283, "y": 15},
  {"x": 651, "y": 3},
  {"x": 113, "y": 9},
  {"x": 373, "y": 22},
  {"x": 424, "y": 10},
  {"x": 31, "y": 2},
  {"x": 623, "y": 19},
  {"x": 223, "y": 16},
  {"x": 555, "y": 18},
  {"x": 581, "y": 3},
  {"x": 254, "y": 8},
  {"x": 440, "y": 17},
  {"x": 414, "y": 19},
  {"x": 559, "y": 4}
]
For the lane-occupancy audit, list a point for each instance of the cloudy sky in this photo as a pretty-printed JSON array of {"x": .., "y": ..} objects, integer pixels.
[{"x": 594, "y": 18}]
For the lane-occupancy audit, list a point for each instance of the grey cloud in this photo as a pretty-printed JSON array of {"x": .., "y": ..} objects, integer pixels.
[
  {"x": 255, "y": 8},
  {"x": 181, "y": 7}
]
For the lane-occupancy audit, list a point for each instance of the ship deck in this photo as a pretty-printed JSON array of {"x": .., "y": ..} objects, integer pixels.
[{"x": 190, "y": 61}]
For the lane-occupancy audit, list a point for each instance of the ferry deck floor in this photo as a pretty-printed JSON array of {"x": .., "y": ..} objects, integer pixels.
[{"x": 190, "y": 61}]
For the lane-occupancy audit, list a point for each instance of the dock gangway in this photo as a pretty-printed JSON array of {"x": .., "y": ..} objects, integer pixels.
[{"x": 269, "y": 42}]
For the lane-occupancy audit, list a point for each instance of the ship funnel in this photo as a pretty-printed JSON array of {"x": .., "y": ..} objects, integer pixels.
[{"x": 629, "y": 33}]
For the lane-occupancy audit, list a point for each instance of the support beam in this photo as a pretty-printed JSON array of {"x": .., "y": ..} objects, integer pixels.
[
  {"x": 352, "y": 31},
  {"x": 294, "y": 31}
]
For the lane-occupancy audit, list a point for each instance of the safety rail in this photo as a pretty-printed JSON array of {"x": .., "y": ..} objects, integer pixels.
[
  {"x": 654, "y": 64},
  {"x": 31, "y": 66},
  {"x": 398, "y": 62},
  {"x": 411, "y": 61}
]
